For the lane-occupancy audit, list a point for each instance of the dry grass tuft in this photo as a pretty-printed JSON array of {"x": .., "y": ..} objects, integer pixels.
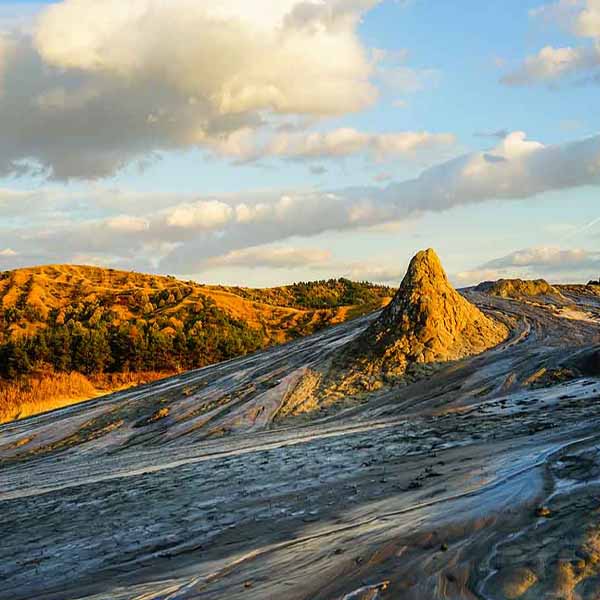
[{"x": 159, "y": 415}]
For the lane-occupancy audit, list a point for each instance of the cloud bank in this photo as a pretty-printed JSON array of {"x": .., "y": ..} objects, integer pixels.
[
  {"x": 246, "y": 145},
  {"x": 182, "y": 234},
  {"x": 93, "y": 86},
  {"x": 272, "y": 257},
  {"x": 550, "y": 262},
  {"x": 551, "y": 257},
  {"x": 154, "y": 75}
]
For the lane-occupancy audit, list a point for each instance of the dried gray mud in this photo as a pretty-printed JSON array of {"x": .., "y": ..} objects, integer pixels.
[{"x": 479, "y": 480}]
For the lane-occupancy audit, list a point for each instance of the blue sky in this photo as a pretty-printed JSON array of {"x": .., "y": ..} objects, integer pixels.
[{"x": 301, "y": 140}]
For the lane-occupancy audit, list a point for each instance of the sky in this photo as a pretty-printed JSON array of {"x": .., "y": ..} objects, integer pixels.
[{"x": 275, "y": 141}]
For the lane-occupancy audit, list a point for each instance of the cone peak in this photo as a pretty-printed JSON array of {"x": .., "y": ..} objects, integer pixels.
[
  {"x": 424, "y": 266},
  {"x": 427, "y": 321}
]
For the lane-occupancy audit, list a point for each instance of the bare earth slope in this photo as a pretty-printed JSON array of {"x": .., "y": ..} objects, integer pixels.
[{"x": 481, "y": 481}]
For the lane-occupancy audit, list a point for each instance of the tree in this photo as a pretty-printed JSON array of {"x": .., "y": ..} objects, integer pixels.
[{"x": 14, "y": 361}]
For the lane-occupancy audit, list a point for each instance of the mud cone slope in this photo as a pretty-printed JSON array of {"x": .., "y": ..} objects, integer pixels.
[{"x": 427, "y": 321}]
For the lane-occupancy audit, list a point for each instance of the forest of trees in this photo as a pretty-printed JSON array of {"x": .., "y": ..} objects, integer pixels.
[{"x": 93, "y": 344}]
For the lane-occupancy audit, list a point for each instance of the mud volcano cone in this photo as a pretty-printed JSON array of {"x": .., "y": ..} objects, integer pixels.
[{"x": 427, "y": 321}]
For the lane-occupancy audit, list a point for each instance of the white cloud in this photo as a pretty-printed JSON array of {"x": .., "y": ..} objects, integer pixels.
[
  {"x": 99, "y": 84},
  {"x": 200, "y": 215},
  {"x": 8, "y": 252},
  {"x": 551, "y": 262},
  {"x": 367, "y": 271},
  {"x": 240, "y": 62},
  {"x": 561, "y": 11},
  {"x": 582, "y": 17},
  {"x": 550, "y": 64},
  {"x": 511, "y": 148},
  {"x": 342, "y": 142},
  {"x": 392, "y": 144},
  {"x": 149, "y": 76},
  {"x": 127, "y": 224},
  {"x": 545, "y": 256},
  {"x": 588, "y": 20}
]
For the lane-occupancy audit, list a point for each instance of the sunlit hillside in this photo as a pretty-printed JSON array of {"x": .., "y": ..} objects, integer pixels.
[{"x": 68, "y": 333}]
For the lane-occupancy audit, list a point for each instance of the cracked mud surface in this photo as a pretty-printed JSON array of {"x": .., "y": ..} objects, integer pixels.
[{"x": 430, "y": 490}]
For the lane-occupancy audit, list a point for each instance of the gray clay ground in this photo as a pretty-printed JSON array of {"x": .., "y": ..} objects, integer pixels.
[{"x": 432, "y": 490}]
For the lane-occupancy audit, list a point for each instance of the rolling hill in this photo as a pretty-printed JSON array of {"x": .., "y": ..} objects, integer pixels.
[{"x": 68, "y": 333}]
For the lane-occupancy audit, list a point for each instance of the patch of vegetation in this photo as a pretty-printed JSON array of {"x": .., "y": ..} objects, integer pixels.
[{"x": 159, "y": 415}]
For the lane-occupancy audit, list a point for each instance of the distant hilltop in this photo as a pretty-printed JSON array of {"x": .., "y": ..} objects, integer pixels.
[{"x": 518, "y": 288}]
